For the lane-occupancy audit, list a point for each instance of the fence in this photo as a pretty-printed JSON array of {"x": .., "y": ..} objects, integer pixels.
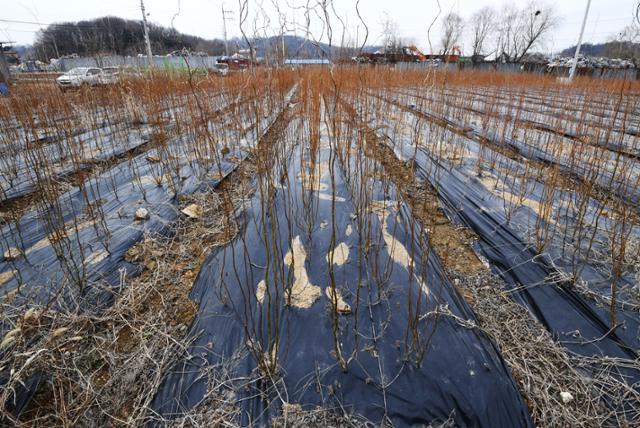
[
  {"x": 160, "y": 62},
  {"x": 601, "y": 73},
  {"x": 504, "y": 68},
  {"x": 179, "y": 63}
]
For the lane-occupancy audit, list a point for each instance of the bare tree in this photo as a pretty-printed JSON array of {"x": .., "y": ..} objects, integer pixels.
[
  {"x": 524, "y": 29},
  {"x": 535, "y": 24},
  {"x": 625, "y": 45},
  {"x": 631, "y": 33},
  {"x": 482, "y": 23},
  {"x": 506, "y": 31},
  {"x": 451, "y": 32},
  {"x": 392, "y": 41}
]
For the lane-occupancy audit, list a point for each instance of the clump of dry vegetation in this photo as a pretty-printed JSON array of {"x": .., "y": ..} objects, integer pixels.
[
  {"x": 105, "y": 366},
  {"x": 66, "y": 360}
]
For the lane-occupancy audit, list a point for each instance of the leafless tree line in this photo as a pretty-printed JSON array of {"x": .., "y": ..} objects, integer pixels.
[{"x": 510, "y": 33}]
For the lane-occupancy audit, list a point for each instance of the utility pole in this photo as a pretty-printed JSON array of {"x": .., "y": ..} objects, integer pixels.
[
  {"x": 572, "y": 73},
  {"x": 282, "y": 41},
  {"x": 146, "y": 34},
  {"x": 55, "y": 45},
  {"x": 5, "y": 76},
  {"x": 224, "y": 27}
]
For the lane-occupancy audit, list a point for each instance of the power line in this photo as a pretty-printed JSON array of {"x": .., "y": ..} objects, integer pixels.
[
  {"x": 42, "y": 24},
  {"x": 14, "y": 21},
  {"x": 64, "y": 24},
  {"x": 14, "y": 30}
]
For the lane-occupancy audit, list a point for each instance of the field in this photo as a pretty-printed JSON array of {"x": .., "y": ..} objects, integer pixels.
[{"x": 321, "y": 247}]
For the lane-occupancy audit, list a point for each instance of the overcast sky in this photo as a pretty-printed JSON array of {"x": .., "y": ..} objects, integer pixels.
[{"x": 203, "y": 17}]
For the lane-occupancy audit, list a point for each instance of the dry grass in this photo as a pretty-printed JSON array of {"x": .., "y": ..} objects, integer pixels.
[
  {"x": 104, "y": 368},
  {"x": 544, "y": 370}
]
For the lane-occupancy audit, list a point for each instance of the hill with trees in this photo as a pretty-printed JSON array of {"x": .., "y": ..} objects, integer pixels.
[
  {"x": 113, "y": 35},
  {"x": 612, "y": 49}
]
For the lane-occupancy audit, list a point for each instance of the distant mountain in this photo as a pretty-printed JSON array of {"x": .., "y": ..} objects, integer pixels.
[
  {"x": 615, "y": 49},
  {"x": 294, "y": 46},
  {"x": 297, "y": 47}
]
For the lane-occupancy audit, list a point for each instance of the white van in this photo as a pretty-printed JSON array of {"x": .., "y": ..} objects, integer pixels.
[{"x": 79, "y": 76}]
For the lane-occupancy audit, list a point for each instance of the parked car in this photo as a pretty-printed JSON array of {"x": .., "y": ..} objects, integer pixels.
[
  {"x": 221, "y": 69},
  {"x": 79, "y": 77},
  {"x": 110, "y": 75}
]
